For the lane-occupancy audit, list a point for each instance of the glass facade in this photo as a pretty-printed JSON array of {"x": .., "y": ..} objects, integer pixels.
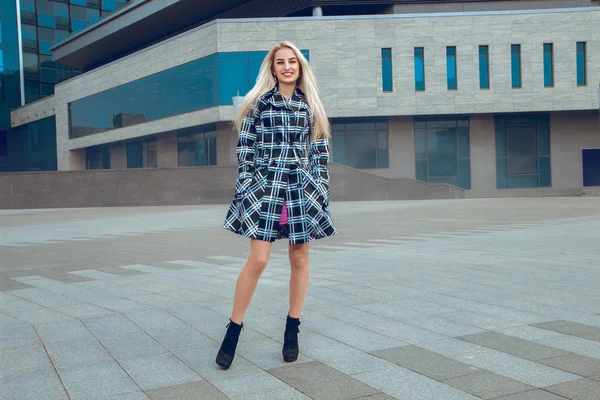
[
  {"x": 548, "y": 65},
  {"x": 46, "y": 23},
  {"x": 442, "y": 150},
  {"x": 451, "y": 68},
  {"x": 515, "y": 65},
  {"x": 591, "y": 167},
  {"x": 419, "y": 68},
  {"x": 197, "y": 146},
  {"x": 30, "y": 147},
  {"x": 141, "y": 153},
  {"x": 207, "y": 82},
  {"x": 523, "y": 151},
  {"x": 484, "y": 67},
  {"x": 581, "y": 64},
  {"x": 386, "y": 69},
  {"x": 361, "y": 143},
  {"x": 97, "y": 157}
]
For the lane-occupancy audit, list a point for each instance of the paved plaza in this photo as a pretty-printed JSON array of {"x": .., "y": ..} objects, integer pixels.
[{"x": 414, "y": 300}]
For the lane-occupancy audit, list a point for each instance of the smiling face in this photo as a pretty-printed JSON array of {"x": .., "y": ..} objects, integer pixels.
[{"x": 286, "y": 66}]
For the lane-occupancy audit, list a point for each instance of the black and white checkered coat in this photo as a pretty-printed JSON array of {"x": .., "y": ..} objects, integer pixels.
[{"x": 277, "y": 161}]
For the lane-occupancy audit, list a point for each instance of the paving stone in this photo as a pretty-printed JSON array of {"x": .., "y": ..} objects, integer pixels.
[
  {"x": 581, "y": 389},
  {"x": 41, "y": 384},
  {"x": 576, "y": 364},
  {"x": 159, "y": 370},
  {"x": 97, "y": 381},
  {"x": 132, "y": 345},
  {"x": 321, "y": 382},
  {"x": 535, "y": 394},
  {"x": 280, "y": 394},
  {"x": 23, "y": 360},
  {"x": 247, "y": 384},
  {"x": 572, "y": 328},
  {"x": 63, "y": 331},
  {"x": 84, "y": 311},
  {"x": 515, "y": 346},
  {"x": 266, "y": 353},
  {"x": 404, "y": 384},
  {"x": 425, "y": 362},
  {"x": 187, "y": 391},
  {"x": 66, "y": 354},
  {"x": 487, "y": 385}
]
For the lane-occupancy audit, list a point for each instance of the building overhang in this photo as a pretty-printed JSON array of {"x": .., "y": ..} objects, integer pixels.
[{"x": 136, "y": 26}]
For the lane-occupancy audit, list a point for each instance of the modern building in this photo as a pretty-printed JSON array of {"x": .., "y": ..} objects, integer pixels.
[
  {"x": 488, "y": 98},
  {"x": 28, "y": 29}
]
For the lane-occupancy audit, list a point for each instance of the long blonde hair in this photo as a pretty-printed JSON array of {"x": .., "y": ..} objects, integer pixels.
[{"x": 306, "y": 81}]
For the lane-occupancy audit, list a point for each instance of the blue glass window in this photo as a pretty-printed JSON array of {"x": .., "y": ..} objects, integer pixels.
[
  {"x": 109, "y": 5},
  {"x": 442, "y": 151},
  {"x": 451, "y": 67},
  {"x": 484, "y": 67},
  {"x": 361, "y": 143},
  {"x": 197, "y": 146},
  {"x": 45, "y": 47},
  {"x": 141, "y": 153},
  {"x": 49, "y": 21},
  {"x": 523, "y": 151},
  {"x": 29, "y": 32},
  {"x": 515, "y": 65},
  {"x": 82, "y": 3},
  {"x": 61, "y": 35},
  {"x": 1, "y": 62},
  {"x": 49, "y": 75},
  {"x": 197, "y": 85},
  {"x": 28, "y": 5},
  {"x": 93, "y": 15},
  {"x": 548, "y": 65},
  {"x": 386, "y": 69},
  {"x": 419, "y": 68},
  {"x": 77, "y": 25},
  {"x": 581, "y": 64},
  {"x": 61, "y": 10}
]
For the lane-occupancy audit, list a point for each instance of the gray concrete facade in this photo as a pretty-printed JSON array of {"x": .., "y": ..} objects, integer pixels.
[{"x": 345, "y": 53}]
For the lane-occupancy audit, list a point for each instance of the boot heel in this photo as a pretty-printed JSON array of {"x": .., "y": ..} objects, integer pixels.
[{"x": 226, "y": 353}]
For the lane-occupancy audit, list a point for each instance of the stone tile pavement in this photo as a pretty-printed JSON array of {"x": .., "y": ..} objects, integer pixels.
[{"x": 449, "y": 299}]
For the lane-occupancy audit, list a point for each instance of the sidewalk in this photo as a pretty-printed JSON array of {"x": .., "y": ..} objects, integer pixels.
[{"x": 420, "y": 300}]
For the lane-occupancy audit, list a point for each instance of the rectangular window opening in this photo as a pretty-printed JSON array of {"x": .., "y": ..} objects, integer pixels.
[
  {"x": 419, "y": 68},
  {"x": 515, "y": 64},
  {"x": 484, "y": 67},
  {"x": 548, "y": 65},
  {"x": 581, "y": 64},
  {"x": 451, "y": 67},
  {"x": 386, "y": 69}
]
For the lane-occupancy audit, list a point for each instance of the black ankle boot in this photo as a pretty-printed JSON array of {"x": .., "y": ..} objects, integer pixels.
[
  {"x": 227, "y": 350},
  {"x": 290, "y": 339}
]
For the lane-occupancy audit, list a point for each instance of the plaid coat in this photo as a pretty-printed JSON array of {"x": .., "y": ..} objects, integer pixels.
[{"x": 274, "y": 166}]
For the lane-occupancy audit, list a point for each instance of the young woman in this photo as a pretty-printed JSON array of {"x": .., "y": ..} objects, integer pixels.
[{"x": 282, "y": 190}]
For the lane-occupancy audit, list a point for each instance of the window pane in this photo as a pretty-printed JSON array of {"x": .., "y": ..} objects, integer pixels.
[
  {"x": 30, "y": 60},
  {"x": 49, "y": 75},
  {"x": 548, "y": 67},
  {"x": 360, "y": 145},
  {"x": 46, "y": 20},
  {"x": 93, "y": 15},
  {"x": 515, "y": 60},
  {"x": 78, "y": 12},
  {"x": 581, "y": 64},
  {"x": 44, "y": 6},
  {"x": 28, "y": 5},
  {"x": 29, "y": 32},
  {"x": 82, "y": 3},
  {"x": 46, "y": 34},
  {"x": 61, "y": 10},
  {"x": 419, "y": 68},
  {"x": 77, "y": 25},
  {"x": 386, "y": 69},
  {"x": 61, "y": 35},
  {"x": 522, "y": 150},
  {"x": 484, "y": 68},
  {"x": 451, "y": 67},
  {"x": 45, "y": 48},
  {"x": 109, "y": 5},
  {"x": 47, "y": 89},
  {"x": 442, "y": 153}
]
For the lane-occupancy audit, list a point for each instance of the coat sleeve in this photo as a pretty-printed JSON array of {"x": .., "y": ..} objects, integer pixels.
[
  {"x": 319, "y": 158},
  {"x": 245, "y": 152}
]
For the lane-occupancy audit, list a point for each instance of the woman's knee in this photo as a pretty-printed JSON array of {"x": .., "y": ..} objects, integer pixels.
[{"x": 299, "y": 256}]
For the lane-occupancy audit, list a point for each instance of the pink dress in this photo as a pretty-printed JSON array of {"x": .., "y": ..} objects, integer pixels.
[{"x": 284, "y": 217}]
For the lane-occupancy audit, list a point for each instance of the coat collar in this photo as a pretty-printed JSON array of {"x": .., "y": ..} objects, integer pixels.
[{"x": 274, "y": 97}]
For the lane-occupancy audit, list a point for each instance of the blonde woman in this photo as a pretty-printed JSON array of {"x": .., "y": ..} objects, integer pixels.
[{"x": 282, "y": 190}]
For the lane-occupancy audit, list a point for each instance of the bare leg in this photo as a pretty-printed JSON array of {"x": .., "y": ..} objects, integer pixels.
[
  {"x": 298, "y": 254},
  {"x": 248, "y": 278}
]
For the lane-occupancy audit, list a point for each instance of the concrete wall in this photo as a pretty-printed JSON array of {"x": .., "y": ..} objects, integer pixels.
[{"x": 206, "y": 185}]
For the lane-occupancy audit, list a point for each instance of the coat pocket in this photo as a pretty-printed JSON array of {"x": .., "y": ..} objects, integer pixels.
[{"x": 250, "y": 185}]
